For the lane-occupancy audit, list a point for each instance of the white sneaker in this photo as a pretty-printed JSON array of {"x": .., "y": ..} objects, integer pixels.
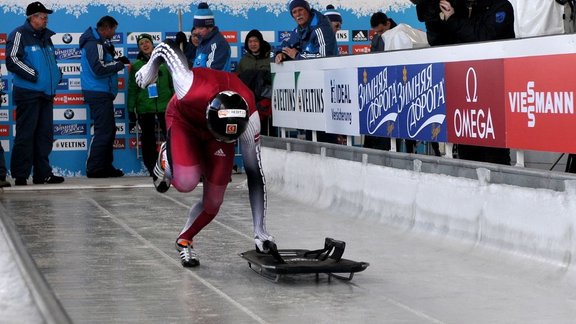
[
  {"x": 162, "y": 171},
  {"x": 188, "y": 256}
]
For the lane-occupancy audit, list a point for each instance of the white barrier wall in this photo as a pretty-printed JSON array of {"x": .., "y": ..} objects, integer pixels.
[{"x": 538, "y": 223}]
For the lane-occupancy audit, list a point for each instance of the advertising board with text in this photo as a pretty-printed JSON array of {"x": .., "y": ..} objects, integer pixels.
[
  {"x": 540, "y": 102},
  {"x": 421, "y": 100},
  {"x": 377, "y": 101},
  {"x": 341, "y": 109},
  {"x": 475, "y": 103}
]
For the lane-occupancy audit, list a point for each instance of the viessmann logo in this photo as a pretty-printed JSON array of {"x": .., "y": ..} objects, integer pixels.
[
  {"x": 536, "y": 101},
  {"x": 68, "y": 99}
]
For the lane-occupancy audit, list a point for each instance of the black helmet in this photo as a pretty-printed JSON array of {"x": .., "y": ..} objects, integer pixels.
[{"x": 227, "y": 116}]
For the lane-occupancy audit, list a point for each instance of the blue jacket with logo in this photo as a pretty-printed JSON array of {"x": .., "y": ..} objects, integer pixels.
[
  {"x": 213, "y": 52},
  {"x": 30, "y": 57},
  {"x": 317, "y": 39},
  {"x": 99, "y": 70}
]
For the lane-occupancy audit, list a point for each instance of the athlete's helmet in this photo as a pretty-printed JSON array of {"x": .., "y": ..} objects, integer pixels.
[{"x": 227, "y": 116}]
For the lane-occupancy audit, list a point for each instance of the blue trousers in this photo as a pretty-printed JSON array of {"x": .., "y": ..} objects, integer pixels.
[
  {"x": 34, "y": 138},
  {"x": 101, "y": 153}
]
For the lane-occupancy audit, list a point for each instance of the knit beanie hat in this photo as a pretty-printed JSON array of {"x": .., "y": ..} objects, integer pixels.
[
  {"x": 332, "y": 14},
  {"x": 298, "y": 3},
  {"x": 144, "y": 36},
  {"x": 203, "y": 17}
]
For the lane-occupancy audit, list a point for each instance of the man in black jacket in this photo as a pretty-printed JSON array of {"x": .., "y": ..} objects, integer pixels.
[{"x": 465, "y": 21}]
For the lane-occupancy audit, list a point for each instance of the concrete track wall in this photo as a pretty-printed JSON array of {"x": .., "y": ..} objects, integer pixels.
[{"x": 523, "y": 211}]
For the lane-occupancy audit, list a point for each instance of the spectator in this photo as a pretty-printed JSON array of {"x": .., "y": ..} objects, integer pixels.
[
  {"x": 254, "y": 71},
  {"x": 213, "y": 51},
  {"x": 205, "y": 118},
  {"x": 313, "y": 37},
  {"x": 380, "y": 23},
  {"x": 465, "y": 22},
  {"x": 99, "y": 78},
  {"x": 30, "y": 58},
  {"x": 257, "y": 55},
  {"x": 190, "y": 45},
  {"x": 335, "y": 18},
  {"x": 147, "y": 107}
]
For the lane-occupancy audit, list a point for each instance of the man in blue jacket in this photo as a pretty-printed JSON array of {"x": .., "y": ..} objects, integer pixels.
[
  {"x": 313, "y": 37},
  {"x": 213, "y": 51},
  {"x": 30, "y": 58},
  {"x": 99, "y": 78}
]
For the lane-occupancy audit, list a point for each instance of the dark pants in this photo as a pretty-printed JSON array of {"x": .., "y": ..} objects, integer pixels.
[
  {"x": 484, "y": 154},
  {"x": 571, "y": 163},
  {"x": 34, "y": 138},
  {"x": 147, "y": 122},
  {"x": 383, "y": 143},
  {"x": 101, "y": 154},
  {"x": 2, "y": 164}
]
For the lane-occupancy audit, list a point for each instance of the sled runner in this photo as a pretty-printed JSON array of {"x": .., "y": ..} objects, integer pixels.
[{"x": 292, "y": 262}]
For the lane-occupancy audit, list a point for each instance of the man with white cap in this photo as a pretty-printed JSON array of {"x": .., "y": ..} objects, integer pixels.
[
  {"x": 213, "y": 51},
  {"x": 30, "y": 58}
]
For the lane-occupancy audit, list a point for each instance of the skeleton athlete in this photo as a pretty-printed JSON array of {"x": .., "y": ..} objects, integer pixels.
[{"x": 209, "y": 111}]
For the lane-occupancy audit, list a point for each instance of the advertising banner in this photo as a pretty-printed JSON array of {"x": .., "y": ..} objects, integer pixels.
[
  {"x": 540, "y": 102},
  {"x": 310, "y": 103},
  {"x": 475, "y": 103},
  {"x": 284, "y": 100},
  {"x": 421, "y": 93},
  {"x": 341, "y": 105},
  {"x": 298, "y": 100},
  {"x": 377, "y": 101}
]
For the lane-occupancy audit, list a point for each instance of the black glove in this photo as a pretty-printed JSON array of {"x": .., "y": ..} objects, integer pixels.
[
  {"x": 132, "y": 117},
  {"x": 181, "y": 39},
  {"x": 123, "y": 59},
  {"x": 132, "y": 121},
  {"x": 111, "y": 49}
]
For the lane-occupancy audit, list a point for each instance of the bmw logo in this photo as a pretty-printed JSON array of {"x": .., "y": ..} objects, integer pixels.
[
  {"x": 69, "y": 114},
  {"x": 67, "y": 38}
]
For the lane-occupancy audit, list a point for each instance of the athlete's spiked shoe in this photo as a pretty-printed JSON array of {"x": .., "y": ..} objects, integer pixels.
[
  {"x": 162, "y": 171},
  {"x": 268, "y": 247},
  {"x": 188, "y": 256}
]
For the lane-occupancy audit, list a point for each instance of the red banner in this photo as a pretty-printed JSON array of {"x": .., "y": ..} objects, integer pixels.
[
  {"x": 230, "y": 36},
  {"x": 539, "y": 94},
  {"x": 475, "y": 110},
  {"x": 68, "y": 99},
  {"x": 360, "y": 49}
]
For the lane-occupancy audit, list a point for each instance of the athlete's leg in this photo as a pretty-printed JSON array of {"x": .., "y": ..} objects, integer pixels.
[
  {"x": 217, "y": 164},
  {"x": 186, "y": 154}
]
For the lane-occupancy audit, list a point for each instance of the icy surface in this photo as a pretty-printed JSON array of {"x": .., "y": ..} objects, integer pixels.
[{"x": 16, "y": 303}]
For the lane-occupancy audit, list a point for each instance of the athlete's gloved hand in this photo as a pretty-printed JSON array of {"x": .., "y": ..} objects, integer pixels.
[
  {"x": 181, "y": 39},
  {"x": 123, "y": 59},
  {"x": 132, "y": 117}
]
